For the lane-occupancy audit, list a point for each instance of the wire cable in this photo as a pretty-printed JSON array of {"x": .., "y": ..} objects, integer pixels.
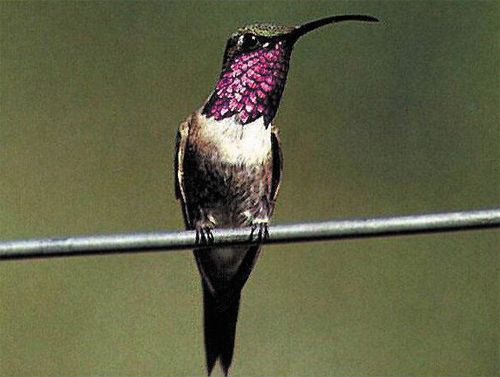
[{"x": 314, "y": 231}]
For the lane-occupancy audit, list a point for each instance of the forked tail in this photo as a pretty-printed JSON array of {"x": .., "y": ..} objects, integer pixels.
[{"x": 220, "y": 330}]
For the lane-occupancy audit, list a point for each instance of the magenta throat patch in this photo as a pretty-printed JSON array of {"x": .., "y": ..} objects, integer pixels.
[{"x": 251, "y": 85}]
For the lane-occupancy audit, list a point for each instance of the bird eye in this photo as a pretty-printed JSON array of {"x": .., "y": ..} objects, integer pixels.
[{"x": 248, "y": 41}]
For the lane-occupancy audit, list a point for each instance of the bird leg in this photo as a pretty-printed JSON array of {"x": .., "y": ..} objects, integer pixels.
[
  {"x": 262, "y": 228},
  {"x": 203, "y": 227},
  {"x": 204, "y": 235}
]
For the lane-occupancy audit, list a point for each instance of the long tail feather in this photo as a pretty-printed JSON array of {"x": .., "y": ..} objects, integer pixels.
[{"x": 220, "y": 330}]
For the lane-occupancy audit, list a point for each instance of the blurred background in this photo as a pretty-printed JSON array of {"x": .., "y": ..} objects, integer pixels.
[{"x": 395, "y": 118}]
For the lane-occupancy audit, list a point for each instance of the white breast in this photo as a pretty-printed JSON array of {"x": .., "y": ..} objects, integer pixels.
[{"x": 237, "y": 144}]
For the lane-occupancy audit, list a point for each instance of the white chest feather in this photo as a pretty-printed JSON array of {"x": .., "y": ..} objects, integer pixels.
[{"x": 237, "y": 144}]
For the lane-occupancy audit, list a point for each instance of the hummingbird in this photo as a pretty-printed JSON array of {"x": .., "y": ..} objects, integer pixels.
[{"x": 228, "y": 168}]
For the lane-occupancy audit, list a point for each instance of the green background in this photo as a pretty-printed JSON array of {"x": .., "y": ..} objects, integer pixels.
[{"x": 401, "y": 117}]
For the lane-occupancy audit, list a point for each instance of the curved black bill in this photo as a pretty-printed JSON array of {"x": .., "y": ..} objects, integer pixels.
[{"x": 306, "y": 28}]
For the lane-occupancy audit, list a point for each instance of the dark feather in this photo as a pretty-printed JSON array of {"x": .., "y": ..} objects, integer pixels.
[{"x": 220, "y": 330}]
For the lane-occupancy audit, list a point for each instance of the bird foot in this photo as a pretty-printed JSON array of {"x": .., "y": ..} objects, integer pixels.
[
  {"x": 204, "y": 235},
  {"x": 262, "y": 228}
]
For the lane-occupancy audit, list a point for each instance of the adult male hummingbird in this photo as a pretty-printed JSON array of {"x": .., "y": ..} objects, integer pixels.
[{"x": 228, "y": 167}]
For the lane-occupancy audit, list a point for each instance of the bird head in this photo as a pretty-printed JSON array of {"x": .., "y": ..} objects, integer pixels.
[{"x": 255, "y": 67}]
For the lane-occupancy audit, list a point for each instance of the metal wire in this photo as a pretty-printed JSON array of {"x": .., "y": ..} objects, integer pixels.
[{"x": 326, "y": 230}]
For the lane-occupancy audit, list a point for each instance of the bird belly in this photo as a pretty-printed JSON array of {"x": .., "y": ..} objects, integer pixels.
[{"x": 228, "y": 171}]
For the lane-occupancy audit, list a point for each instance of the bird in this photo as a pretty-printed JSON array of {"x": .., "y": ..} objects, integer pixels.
[{"x": 228, "y": 168}]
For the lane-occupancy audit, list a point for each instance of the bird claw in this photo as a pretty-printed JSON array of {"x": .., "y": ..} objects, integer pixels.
[
  {"x": 262, "y": 232},
  {"x": 204, "y": 236}
]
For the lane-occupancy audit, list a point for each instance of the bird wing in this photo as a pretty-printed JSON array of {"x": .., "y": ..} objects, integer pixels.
[
  {"x": 277, "y": 165},
  {"x": 180, "y": 149}
]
